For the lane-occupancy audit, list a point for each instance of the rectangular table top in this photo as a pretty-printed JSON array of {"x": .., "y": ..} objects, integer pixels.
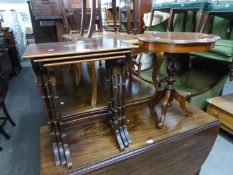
[
  {"x": 224, "y": 102},
  {"x": 86, "y": 46}
]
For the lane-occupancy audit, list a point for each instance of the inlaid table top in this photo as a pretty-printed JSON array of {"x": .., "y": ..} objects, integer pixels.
[
  {"x": 76, "y": 47},
  {"x": 177, "y": 42}
]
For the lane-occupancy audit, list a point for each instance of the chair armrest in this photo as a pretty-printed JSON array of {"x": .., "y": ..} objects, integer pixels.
[{"x": 190, "y": 95}]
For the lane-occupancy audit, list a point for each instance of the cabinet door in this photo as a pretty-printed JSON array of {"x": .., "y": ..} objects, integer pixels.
[
  {"x": 46, "y": 8},
  {"x": 123, "y": 16}
]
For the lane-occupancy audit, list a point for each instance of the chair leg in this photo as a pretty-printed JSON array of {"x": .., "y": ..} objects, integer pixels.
[
  {"x": 7, "y": 114},
  {"x": 0, "y": 148},
  {"x": 3, "y": 132}
]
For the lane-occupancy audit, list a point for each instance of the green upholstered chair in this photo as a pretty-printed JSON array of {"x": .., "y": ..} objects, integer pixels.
[
  {"x": 196, "y": 83},
  {"x": 219, "y": 21},
  {"x": 183, "y": 15},
  {"x": 195, "y": 9}
]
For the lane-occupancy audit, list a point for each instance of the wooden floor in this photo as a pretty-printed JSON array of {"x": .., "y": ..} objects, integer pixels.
[
  {"x": 93, "y": 146},
  {"x": 77, "y": 98}
]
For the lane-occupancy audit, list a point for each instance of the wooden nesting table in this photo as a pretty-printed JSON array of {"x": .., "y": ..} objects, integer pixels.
[
  {"x": 47, "y": 57},
  {"x": 173, "y": 43},
  {"x": 91, "y": 65}
]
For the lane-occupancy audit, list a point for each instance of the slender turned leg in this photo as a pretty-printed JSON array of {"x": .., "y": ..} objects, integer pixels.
[
  {"x": 46, "y": 84},
  {"x": 116, "y": 104},
  {"x": 130, "y": 67},
  {"x": 123, "y": 72},
  {"x": 3, "y": 132},
  {"x": 7, "y": 114},
  {"x": 0, "y": 148},
  {"x": 63, "y": 149},
  {"x": 78, "y": 73},
  {"x": 92, "y": 74},
  {"x": 111, "y": 103}
]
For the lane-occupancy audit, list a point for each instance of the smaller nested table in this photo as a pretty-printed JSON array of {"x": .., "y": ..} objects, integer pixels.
[{"x": 173, "y": 43}]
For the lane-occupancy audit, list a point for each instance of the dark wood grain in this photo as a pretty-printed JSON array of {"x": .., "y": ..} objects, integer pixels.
[
  {"x": 75, "y": 47},
  {"x": 179, "y": 148}
]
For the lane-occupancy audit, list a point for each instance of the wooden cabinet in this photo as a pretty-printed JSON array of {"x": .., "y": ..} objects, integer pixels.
[
  {"x": 127, "y": 16},
  {"x": 46, "y": 8},
  {"x": 142, "y": 7},
  {"x": 131, "y": 15},
  {"x": 13, "y": 52},
  {"x": 221, "y": 107}
]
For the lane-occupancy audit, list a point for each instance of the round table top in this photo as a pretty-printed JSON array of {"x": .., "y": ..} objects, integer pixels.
[
  {"x": 177, "y": 37},
  {"x": 177, "y": 42}
]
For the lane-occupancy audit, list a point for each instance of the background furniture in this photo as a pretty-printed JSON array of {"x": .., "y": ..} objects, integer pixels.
[
  {"x": 47, "y": 22},
  {"x": 218, "y": 20},
  {"x": 4, "y": 119},
  {"x": 13, "y": 52},
  {"x": 131, "y": 15},
  {"x": 5, "y": 67},
  {"x": 197, "y": 10},
  {"x": 179, "y": 148},
  {"x": 221, "y": 108}
]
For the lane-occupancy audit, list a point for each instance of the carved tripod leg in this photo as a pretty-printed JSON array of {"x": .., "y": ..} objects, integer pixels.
[
  {"x": 166, "y": 101},
  {"x": 182, "y": 101},
  {"x": 159, "y": 95},
  {"x": 111, "y": 76}
]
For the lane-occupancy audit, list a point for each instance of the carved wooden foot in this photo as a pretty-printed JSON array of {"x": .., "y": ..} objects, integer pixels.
[
  {"x": 62, "y": 154},
  {"x": 182, "y": 101},
  {"x": 165, "y": 104}
]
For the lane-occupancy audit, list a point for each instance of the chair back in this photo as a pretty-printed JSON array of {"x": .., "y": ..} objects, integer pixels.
[{"x": 93, "y": 19}]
